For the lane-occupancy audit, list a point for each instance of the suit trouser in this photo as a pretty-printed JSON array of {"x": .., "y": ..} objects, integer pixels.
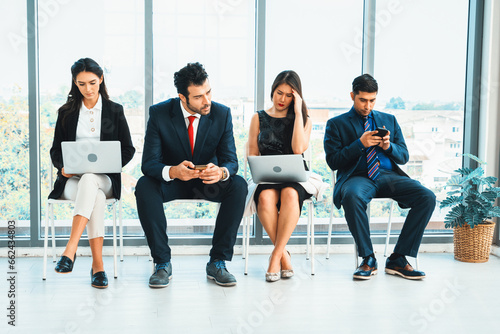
[
  {"x": 358, "y": 191},
  {"x": 151, "y": 194},
  {"x": 89, "y": 191}
]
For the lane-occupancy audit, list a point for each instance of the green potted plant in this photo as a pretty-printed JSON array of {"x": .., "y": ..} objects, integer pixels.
[{"x": 472, "y": 203}]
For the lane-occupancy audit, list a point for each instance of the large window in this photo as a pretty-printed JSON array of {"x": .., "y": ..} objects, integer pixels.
[
  {"x": 420, "y": 70},
  {"x": 113, "y": 36},
  {"x": 14, "y": 119},
  {"x": 219, "y": 35},
  {"x": 321, "y": 41},
  {"x": 419, "y": 62}
]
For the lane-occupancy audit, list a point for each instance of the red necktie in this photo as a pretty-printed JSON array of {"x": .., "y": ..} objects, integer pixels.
[{"x": 191, "y": 132}]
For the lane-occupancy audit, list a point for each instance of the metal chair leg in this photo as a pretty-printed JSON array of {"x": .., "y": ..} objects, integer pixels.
[
  {"x": 329, "y": 239},
  {"x": 120, "y": 221},
  {"x": 114, "y": 241},
  {"x": 389, "y": 225},
  {"x": 53, "y": 233},
  {"x": 46, "y": 242},
  {"x": 311, "y": 223}
]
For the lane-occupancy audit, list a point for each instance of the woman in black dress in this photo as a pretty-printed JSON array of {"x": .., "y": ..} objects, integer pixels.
[{"x": 285, "y": 128}]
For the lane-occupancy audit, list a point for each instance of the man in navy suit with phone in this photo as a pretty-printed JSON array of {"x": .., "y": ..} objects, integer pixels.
[
  {"x": 365, "y": 147},
  {"x": 189, "y": 153}
]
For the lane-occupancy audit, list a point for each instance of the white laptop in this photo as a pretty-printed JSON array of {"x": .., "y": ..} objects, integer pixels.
[
  {"x": 278, "y": 168},
  {"x": 87, "y": 156}
]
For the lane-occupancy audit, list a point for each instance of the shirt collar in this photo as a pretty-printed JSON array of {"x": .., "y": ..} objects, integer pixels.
[
  {"x": 97, "y": 107},
  {"x": 354, "y": 112},
  {"x": 185, "y": 113}
]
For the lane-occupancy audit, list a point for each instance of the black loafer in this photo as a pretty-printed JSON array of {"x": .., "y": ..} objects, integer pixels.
[
  {"x": 367, "y": 268},
  {"x": 401, "y": 267},
  {"x": 99, "y": 280},
  {"x": 65, "y": 265}
]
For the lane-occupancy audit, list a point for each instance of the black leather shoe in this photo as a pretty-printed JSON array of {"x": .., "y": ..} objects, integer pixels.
[
  {"x": 161, "y": 277},
  {"x": 98, "y": 280},
  {"x": 367, "y": 268},
  {"x": 65, "y": 265},
  {"x": 401, "y": 267}
]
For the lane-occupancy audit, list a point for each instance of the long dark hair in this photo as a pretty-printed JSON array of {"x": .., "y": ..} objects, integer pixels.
[
  {"x": 74, "y": 101},
  {"x": 292, "y": 79}
]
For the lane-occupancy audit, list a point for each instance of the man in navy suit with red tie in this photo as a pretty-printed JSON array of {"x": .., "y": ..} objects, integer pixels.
[
  {"x": 182, "y": 134},
  {"x": 367, "y": 167}
]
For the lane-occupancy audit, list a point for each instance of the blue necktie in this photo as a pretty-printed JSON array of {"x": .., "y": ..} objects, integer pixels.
[{"x": 371, "y": 157}]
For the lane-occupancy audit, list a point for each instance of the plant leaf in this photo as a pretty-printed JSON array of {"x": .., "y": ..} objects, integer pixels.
[
  {"x": 495, "y": 212},
  {"x": 455, "y": 216},
  {"x": 454, "y": 192},
  {"x": 473, "y": 157},
  {"x": 490, "y": 180},
  {"x": 455, "y": 181},
  {"x": 464, "y": 171},
  {"x": 451, "y": 200}
]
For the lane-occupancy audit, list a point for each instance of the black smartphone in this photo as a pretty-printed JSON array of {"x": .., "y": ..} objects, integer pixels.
[{"x": 382, "y": 132}]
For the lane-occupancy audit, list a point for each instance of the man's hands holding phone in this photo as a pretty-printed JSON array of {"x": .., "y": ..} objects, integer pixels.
[
  {"x": 186, "y": 171},
  {"x": 376, "y": 138}
]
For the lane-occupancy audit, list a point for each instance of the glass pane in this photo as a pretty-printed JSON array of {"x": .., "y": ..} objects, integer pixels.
[
  {"x": 323, "y": 45},
  {"x": 14, "y": 119},
  {"x": 420, "y": 69},
  {"x": 113, "y": 36},
  {"x": 219, "y": 35}
]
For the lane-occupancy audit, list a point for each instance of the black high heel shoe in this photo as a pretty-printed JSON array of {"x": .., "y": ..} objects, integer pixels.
[
  {"x": 65, "y": 265},
  {"x": 98, "y": 280}
]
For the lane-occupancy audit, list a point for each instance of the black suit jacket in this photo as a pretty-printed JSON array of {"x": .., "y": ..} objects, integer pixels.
[
  {"x": 167, "y": 141},
  {"x": 113, "y": 127}
]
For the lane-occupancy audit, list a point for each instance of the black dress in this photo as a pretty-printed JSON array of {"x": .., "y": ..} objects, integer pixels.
[{"x": 275, "y": 138}]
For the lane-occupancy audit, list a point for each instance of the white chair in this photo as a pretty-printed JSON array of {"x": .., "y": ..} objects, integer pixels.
[
  {"x": 49, "y": 219},
  {"x": 310, "y": 224},
  {"x": 388, "y": 233}
]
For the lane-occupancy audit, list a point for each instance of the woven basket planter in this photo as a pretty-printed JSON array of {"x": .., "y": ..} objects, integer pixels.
[{"x": 473, "y": 244}]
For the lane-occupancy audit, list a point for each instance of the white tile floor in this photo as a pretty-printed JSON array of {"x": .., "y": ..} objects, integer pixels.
[{"x": 456, "y": 297}]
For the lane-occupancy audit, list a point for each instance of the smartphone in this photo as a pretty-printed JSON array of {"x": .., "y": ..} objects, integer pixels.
[
  {"x": 200, "y": 167},
  {"x": 382, "y": 132}
]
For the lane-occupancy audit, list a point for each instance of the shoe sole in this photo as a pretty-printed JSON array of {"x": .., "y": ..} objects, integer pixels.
[
  {"x": 374, "y": 272},
  {"x": 63, "y": 272},
  {"x": 397, "y": 273},
  {"x": 98, "y": 286},
  {"x": 220, "y": 283},
  {"x": 157, "y": 286}
]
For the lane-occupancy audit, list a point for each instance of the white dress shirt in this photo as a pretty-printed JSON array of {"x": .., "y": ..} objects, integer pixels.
[
  {"x": 89, "y": 122},
  {"x": 166, "y": 170}
]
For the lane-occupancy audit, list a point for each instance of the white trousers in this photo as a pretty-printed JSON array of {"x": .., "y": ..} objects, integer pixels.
[{"x": 89, "y": 191}]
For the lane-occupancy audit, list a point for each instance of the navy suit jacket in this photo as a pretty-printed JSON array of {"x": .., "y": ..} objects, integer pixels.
[
  {"x": 167, "y": 141},
  {"x": 343, "y": 153}
]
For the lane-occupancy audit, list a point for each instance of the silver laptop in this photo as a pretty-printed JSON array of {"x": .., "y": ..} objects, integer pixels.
[
  {"x": 278, "y": 168},
  {"x": 88, "y": 156}
]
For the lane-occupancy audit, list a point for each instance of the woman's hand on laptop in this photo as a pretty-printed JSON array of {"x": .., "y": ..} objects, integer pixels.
[
  {"x": 66, "y": 175},
  {"x": 211, "y": 174}
]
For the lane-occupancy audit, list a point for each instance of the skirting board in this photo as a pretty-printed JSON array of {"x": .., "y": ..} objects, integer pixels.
[{"x": 266, "y": 249}]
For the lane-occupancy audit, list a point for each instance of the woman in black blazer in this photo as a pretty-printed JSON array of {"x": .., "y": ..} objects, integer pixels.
[{"x": 88, "y": 114}]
